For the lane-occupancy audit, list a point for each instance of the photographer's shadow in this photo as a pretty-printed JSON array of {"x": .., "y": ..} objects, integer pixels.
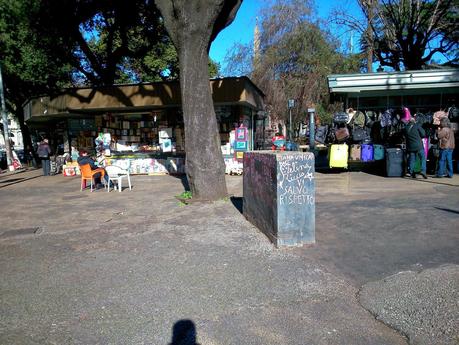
[{"x": 184, "y": 333}]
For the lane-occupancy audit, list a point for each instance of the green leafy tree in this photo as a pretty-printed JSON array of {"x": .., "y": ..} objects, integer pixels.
[
  {"x": 109, "y": 41},
  {"x": 27, "y": 67}
]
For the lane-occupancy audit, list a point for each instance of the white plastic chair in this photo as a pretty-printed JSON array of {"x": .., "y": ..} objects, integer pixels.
[{"x": 117, "y": 174}]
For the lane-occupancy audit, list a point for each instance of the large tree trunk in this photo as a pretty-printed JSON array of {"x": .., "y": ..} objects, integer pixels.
[
  {"x": 204, "y": 162},
  {"x": 192, "y": 25}
]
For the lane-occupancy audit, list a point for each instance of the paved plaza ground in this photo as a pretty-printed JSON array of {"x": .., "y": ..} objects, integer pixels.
[{"x": 126, "y": 268}]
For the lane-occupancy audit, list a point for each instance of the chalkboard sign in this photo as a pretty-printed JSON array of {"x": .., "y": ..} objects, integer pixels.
[{"x": 296, "y": 198}]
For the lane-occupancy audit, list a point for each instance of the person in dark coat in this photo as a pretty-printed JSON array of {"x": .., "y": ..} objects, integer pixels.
[
  {"x": 86, "y": 159},
  {"x": 414, "y": 147},
  {"x": 44, "y": 152}
]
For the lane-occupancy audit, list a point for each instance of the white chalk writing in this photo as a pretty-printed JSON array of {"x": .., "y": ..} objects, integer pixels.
[
  {"x": 296, "y": 180},
  {"x": 302, "y": 199}
]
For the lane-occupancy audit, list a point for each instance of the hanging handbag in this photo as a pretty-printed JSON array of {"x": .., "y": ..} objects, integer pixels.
[
  {"x": 341, "y": 118},
  {"x": 453, "y": 114},
  {"x": 342, "y": 134},
  {"x": 321, "y": 134},
  {"x": 358, "y": 134}
]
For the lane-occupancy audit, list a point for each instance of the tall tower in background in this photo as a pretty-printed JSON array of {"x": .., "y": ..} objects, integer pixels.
[{"x": 256, "y": 43}]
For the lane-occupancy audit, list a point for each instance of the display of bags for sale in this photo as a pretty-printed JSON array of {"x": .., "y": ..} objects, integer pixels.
[
  {"x": 367, "y": 153},
  {"x": 355, "y": 152},
  {"x": 339, "y": 154},
  {"x": 378, "y": 152}
]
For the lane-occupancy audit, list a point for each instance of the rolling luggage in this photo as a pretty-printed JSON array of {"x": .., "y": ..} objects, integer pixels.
[
  {"x": 394, "y": 162},
  {"x": 355, "y": 152},
  {"x": 339, "y": 155},
  {"x": 378, "y": 152},
  {"x": 367, "y": 153}
]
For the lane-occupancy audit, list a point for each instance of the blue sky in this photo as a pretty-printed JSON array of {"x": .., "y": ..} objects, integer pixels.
[{"x": 241, "y": 30}]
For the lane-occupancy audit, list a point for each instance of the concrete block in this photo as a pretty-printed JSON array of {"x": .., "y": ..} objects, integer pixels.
[{"x": 279, "y": 195}]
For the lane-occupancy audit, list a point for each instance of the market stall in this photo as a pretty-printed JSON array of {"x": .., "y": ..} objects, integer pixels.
[
  {"x": 376, "y": 107},
  {"x": 140, "y": 127}
]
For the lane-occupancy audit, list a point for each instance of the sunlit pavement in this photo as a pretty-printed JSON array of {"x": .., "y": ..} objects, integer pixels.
[{"x": 123, "y": 268}]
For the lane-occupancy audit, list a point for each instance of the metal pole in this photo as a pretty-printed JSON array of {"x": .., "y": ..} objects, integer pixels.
[
  {"x": 312, "y": 134},
  {"x": 290, "y": 124},
  {"x": 251, "y": 131},
  {"x": 6, "y": 132}
]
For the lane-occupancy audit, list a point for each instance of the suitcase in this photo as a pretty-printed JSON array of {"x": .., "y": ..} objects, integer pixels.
[
  {"x": 378, "y": 152},
  {"x": 394, "y": 162},
  {"x": 355, "y": 152},
  {"x": 367, "y": 153},
  {"x": 339, "y": 155}
]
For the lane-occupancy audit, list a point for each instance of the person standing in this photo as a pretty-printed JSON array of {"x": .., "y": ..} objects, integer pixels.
[
  {"x": 414, "y": 147},
  {"x": 447, "y": 143},
  {"x": 44, "y": 152}
]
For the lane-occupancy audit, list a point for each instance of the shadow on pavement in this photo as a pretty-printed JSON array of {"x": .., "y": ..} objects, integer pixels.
[
  {"x": 447, "y": 210},
  {"x": 12, "y": 180},
  {"x": 184, "y": 181},
  {"x": 238, "y": 202},
  {"x": 184, "y": 333}
]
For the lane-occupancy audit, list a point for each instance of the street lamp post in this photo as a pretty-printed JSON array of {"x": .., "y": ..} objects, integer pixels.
[
  {"x": 291, "y": 104},
  {"x": 6, "y": 132},
  {"x": 312, "y": 134}
]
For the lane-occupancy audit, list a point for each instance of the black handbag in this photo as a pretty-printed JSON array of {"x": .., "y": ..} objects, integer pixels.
[{"x": 359, "y": 134}]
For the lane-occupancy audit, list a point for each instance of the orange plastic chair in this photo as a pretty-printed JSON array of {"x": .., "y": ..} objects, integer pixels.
[{"x": 88, "y": 174}]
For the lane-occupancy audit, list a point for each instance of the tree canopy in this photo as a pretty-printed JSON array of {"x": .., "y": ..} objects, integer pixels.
[
  {"x": 407, "y": 34},
  {"x": 108, "y": 41},
  {"x": 28, "y": 69},
  {"x": 291, "y": 58}
]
